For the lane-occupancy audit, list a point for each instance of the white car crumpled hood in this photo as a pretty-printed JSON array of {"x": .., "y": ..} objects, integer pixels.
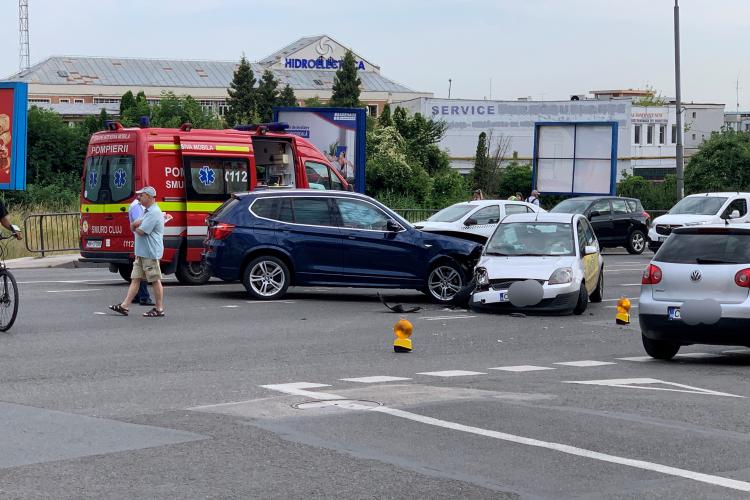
[
  {"x": 534, "y": 268},
  {"x": 683, "y": 219},
  {"x": 437, "y": 226}
]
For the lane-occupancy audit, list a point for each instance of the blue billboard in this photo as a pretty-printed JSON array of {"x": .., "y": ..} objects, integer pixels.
[
  {"x": 338, "y": 132},
  {"x": 13, "y": 122}
]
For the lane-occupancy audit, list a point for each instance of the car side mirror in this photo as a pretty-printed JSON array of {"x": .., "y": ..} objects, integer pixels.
[
  {"x": 470, "y": 222},
  {"x": 393, "y": 226},
  {"x": 735, "y": 214},
  {"x": 594, "y": 213},
  {"x": 590, "y": 249}
]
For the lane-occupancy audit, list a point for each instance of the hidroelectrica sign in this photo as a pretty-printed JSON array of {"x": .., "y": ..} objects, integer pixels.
[
  {"x": 13, "y": 118},
  {"x": 319, "y": 63}
]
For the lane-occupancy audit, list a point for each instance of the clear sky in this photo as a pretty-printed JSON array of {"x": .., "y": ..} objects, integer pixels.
[{"x": 546, "y": 49}]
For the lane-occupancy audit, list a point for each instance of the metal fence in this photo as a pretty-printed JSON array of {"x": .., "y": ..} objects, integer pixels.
[
  {"x": 47, "y": 233},
  {"x": 415, "y": 214}
]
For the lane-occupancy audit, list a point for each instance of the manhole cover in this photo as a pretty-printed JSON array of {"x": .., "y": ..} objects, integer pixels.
[{"x": 348, "y": 404}]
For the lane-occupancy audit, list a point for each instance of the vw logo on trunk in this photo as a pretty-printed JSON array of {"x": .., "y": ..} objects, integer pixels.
[{"x": 695, "y": 276}]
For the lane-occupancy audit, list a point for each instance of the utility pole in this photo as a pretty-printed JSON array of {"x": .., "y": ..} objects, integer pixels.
[
  {"x": 678, "y": 104},
  {"x": 449, "y": 87},
  {"x": 23, "y": 35}
]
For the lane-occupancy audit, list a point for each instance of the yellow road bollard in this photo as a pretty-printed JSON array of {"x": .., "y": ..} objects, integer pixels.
[
  {"x": 623, "y": 311},
  {"x": 403, "y": 330}
]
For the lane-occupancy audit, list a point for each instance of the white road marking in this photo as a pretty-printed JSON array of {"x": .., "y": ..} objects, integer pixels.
[
  {"x": 631, "y": 284},
  {"x": 641, "y": 383},
  {"x": 269, "y": 302},
  {"x": 615, "y": 307},
  {"x": 639, "y": 359},
  {"x": 374, "y": 379},
  {"x": 297, "y": 389},
  {"x": 698, "y": 355},
  {"x": 522, "y": 368},
  {"x": 451, "y": 373},
  {"x": 66, "y": 281},
  {"x": 231, "y": 306},
  {"x": 585, "y": 363},
  {"x": 562, "y": 448},
  {"x": 440, "y": 318},
  {"x": 615, "y": 300},
  {"x": 623, "y": 270},
  {"x": 100, "y": 313},
  {"x": 78, "y": 290}
]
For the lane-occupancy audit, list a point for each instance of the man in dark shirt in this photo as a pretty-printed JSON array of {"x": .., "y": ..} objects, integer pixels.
[{"x": 5, "y": 221}]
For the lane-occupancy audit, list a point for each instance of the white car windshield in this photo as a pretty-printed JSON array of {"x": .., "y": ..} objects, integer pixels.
[
  {"x": 452, "y": 213},
  {"x": 531, "y": 239},
  {"x": 699, "y": 205}
]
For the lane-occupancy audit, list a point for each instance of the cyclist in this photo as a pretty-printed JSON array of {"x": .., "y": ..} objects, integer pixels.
[{"x": 5, "y": 221}]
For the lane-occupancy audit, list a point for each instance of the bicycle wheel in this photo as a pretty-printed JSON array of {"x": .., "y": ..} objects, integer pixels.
[{"x": 8, "y": 300}]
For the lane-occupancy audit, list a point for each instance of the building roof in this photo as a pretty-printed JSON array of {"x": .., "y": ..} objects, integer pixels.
[
  {"x": 112, "y": 71},
  {"x": 290, "y": 49}
]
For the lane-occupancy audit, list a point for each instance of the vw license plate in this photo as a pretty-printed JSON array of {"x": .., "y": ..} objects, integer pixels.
[
  {"x": 673, "y": 313},
  {"x": 94, "y": 244},
  {"x": 504, "y": 296}
]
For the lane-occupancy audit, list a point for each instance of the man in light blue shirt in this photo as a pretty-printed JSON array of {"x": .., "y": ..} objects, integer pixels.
[
  {"x": 135, "y": 212},
  {"x": 149, "y": 248}
]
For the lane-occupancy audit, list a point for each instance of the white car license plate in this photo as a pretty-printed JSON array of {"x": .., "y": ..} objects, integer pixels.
[
  {"x": 662, "y": 239},
  {"x": 93, "y": 244},
  {"x": 673, "y": 314},
  {"x": 504, "y": 296}
]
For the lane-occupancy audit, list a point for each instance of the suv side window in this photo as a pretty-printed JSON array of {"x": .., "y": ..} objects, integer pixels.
[
  {"x": 739, "y": 204},
  {"x": 515, "y": 208},
  {"x": 601, "y": 206},
  {"x": 356, "y": 214},
  {"x": 312, "y": 211},
  {"x": 619, "y": 207},
  {"x": 632, "y": 205},
  {"x": 487, "y": 215},
  {"x": 264, "y": 207}
]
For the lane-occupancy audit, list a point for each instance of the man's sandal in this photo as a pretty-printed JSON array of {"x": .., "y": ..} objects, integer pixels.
[
  {"x": 154, "y": 313},
  {"x": 119, "y": 309}
]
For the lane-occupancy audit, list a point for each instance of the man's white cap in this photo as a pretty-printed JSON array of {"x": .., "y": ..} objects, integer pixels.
[{"x": 148, "y": 190}]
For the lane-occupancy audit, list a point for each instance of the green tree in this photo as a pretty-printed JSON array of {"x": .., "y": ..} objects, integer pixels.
[
  {"x": 385, "y": 120},
  {"x": 421, "y": 137},
  {"x": 126, "y": 102},
  {"x": 515, "y": 178},
  {"x": 131, "y": 114},
  {"x": 287, "y": 97},
  {"x": 721, "y": 164},
  {"x": 314, "y": 102},
  {"x": 266, "y": 96},
  {"x": 172, "y": 111},
  {"x": 480, "y": 176},
  {"x": 241, "y": 104},
  {"x": 652, "y": 99},
  {"x": 346, "y": 84}
]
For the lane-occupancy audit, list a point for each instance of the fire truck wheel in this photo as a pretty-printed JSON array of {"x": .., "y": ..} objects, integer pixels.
[
  {"x": 125, "y": 271},
  {"x": 192, "y": 273}
]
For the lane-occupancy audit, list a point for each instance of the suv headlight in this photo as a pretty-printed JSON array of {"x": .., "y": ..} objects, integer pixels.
[
  {"x": 481, "y": 277},
  {"x": 560, "y": 276}
]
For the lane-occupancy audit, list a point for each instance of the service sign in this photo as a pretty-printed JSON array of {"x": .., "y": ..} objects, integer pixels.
[
  {"x": 13, "y": 118},
  {"x": 339, "y": 133}
]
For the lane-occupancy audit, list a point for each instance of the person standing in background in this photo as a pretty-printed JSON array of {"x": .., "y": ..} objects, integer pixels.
[{"x": 135, "y": 212}]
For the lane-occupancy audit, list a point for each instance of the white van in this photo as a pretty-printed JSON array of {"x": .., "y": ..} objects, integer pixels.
[{"x": 699, "y": 209}]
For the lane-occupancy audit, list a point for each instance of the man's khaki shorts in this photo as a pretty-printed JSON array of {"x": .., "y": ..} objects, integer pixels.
[{"x": 146, "y": 269}]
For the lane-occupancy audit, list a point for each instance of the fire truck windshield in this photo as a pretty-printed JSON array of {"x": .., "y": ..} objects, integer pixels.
[{"x": 109, "y": 179}]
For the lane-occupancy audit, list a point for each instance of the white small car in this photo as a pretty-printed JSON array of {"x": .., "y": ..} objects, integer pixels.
[
  {"x": 553, "y": 255},
  {"x": 474, "y": 220},
  {"x": 698, "y": 210}
]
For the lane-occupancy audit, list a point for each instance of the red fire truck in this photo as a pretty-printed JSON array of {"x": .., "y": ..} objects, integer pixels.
[{"x": 193, "y": 171}]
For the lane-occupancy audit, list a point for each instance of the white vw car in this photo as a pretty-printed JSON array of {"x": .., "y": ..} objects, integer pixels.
[
  {"x": 540, "y": 262},
  {"x": 474, "y": 220}
]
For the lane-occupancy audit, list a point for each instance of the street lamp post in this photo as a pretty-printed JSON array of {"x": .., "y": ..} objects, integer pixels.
[
  {"x": 678, "y": 104},
  {"x": 449, "y": 87}
]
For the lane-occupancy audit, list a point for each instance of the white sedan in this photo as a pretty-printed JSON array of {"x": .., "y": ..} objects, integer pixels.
[
  {"x": 540, "y": 262},
  {"x": 474, "y": 220}
]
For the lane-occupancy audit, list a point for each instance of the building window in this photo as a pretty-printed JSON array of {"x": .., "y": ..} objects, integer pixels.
[
  {"x": 64, "y": 101},
  {"x": 674, "y": 134},
  {"x": 637, "y": 134},
  {"x": 106, "y": 100},
  {"x": 747, "y": 127},
  {"x": 662, "y": 134},
  {"x": 693, "y": 136},
  {"x": 372, "y": 109},
  {"x": 78, "y": 101},
  {"x": 650, "y": 134},
  {"x": 693, "y": 114},
  {"x": 39, "y": 100}
]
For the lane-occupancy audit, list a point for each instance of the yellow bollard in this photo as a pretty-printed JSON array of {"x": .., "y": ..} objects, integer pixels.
[
  {"x": 402, "y": 329},
  {"x": 623, "y": 311}
]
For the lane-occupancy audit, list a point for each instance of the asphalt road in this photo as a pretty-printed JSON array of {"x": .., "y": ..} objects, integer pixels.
[{"x": 232, "y": 398}]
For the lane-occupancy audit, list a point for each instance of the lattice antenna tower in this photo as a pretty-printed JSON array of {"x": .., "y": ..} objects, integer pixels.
[{"x": 24, "y": 62}]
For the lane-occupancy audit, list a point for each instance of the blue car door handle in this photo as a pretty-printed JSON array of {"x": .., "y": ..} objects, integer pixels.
[{"x": 352, "y": 237}]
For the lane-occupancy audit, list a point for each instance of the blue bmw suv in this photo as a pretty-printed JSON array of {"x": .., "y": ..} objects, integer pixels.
[{"x": 271, "y": 240}]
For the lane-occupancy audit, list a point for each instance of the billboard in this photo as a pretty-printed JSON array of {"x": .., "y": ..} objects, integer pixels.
[
  {"x": 13, "y": 116},
  {"x": 578, "y": 158},
  {"x": 338, "y": 132}
]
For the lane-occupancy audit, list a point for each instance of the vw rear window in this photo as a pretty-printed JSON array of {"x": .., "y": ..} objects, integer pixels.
[{"x": 705, "y": 248}]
